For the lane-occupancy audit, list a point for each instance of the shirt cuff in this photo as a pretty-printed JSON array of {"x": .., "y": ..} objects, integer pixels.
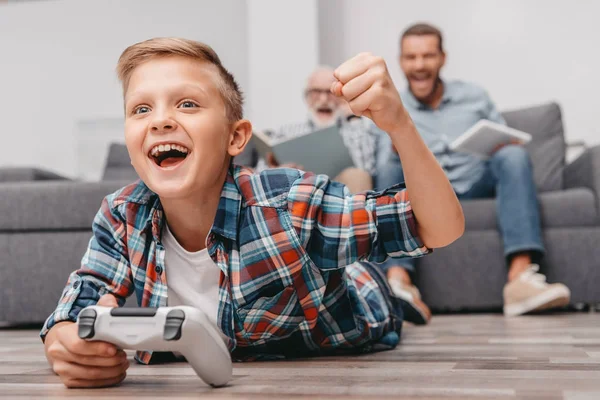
[
  {"x": 67, "y": 309},
  {"x": 397, "y": 224}
]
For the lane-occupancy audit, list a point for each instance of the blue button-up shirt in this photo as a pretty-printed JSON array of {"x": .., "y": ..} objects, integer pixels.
[{"x": 463, "y": 104}]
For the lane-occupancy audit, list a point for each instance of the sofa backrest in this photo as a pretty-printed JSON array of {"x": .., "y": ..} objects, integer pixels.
[
  {"x": 21, "y": 174},
  {"x": 118, "y": 164},
  {"x": 547, "y": 148}
]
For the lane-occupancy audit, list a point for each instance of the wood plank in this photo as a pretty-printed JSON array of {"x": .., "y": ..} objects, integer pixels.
[{"x": 547, "y": 357}]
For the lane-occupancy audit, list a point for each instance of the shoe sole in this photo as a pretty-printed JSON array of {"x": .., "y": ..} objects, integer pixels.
[
  {"x": 413, "y": 314},
  {"x": 556, "y": 297}
]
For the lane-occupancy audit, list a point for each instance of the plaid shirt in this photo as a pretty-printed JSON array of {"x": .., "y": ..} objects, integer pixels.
[{"x": 284, "y": 241}]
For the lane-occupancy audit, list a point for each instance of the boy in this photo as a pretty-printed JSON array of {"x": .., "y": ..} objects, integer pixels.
[{"x": 270, "y": 258}]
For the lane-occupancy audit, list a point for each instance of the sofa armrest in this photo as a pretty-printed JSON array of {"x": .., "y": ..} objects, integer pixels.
[{"x": 585, "y": 172}]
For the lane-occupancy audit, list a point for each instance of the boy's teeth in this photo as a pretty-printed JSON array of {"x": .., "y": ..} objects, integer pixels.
[{"x": 167, "y": 147}]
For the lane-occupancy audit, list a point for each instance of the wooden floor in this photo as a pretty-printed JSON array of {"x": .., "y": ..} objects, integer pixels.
[{"x": 539, "y": 357}]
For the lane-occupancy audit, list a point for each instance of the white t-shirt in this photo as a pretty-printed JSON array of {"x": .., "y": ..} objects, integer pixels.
[{"x": 192, "y": 278}]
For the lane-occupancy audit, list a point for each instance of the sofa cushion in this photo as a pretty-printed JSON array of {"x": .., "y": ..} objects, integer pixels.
[
  {"x": 52, "y": 205},
  {"x": 118, "y": 164},
  {"x": 547, "y": 148},
  {"x": 563, "y": 208}
]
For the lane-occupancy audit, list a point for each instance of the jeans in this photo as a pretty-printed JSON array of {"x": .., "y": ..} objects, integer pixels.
[{"x": 509, "y": 178}]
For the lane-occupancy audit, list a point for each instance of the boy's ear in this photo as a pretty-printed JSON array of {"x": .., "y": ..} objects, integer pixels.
[{"x": 239, "y": 137}]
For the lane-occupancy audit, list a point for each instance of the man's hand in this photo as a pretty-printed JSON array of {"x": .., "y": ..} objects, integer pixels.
[
  {"x": 81, "y": 363},
  {"x": 273, "y": 163},
  {"x": 365, "y": 83}
]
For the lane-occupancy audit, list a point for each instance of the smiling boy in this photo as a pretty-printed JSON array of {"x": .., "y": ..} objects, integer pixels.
[{"x": 270, "y": 258}]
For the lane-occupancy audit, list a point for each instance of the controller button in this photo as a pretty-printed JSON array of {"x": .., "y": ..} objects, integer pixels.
[
  {"x": 86, "y": 322},
  {"x": 88, "y": 313},
  {"x": 173, "y": 325}
]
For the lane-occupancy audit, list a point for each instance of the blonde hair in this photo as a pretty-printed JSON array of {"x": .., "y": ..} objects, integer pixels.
[{"x": 139, "y": 53}]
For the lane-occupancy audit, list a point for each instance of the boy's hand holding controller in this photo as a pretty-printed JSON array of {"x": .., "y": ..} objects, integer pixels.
[{"x": 82, "y": 363}]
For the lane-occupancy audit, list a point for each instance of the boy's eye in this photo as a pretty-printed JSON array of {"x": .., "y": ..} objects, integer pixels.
[
  {"x": 188, "y": 104},
  {"x": 141, "y": 110}
]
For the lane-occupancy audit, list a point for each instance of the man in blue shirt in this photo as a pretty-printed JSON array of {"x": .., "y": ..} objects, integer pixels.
[{"x": 442, "y": 111}]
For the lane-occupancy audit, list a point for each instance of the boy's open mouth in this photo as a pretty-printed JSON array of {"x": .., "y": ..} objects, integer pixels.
[{"x": 168, "y": 155}]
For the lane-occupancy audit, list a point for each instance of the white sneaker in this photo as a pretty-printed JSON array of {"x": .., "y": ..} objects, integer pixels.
[{"x": 530, "y": 292}]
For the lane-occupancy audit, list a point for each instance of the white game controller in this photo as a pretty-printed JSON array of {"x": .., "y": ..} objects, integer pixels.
[{"x": 186, "y": 330}]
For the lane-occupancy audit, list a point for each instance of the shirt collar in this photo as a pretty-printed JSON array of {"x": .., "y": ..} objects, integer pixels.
[
  {"x": 448, "y": 95},
  {"x": 228, "y": 211}
]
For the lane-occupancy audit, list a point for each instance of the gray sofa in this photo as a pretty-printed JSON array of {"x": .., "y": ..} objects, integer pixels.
[
  {"x": 45, "y": 226},
  {"x": 470, "y": 274},
  {"x": 20, "y": 174}
]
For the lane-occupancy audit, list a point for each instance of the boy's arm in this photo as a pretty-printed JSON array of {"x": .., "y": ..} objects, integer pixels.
[
  {"x": 367, "y": 86},
  {"x": 337, "y": 229},
  {"x": 104, "y": 269}
]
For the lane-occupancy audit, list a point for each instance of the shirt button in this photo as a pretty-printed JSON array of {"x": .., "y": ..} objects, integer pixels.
[{"x": 158, "y": 269}]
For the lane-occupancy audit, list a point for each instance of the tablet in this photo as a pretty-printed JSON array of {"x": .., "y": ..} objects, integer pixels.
[{"x": 483, "y": 138}]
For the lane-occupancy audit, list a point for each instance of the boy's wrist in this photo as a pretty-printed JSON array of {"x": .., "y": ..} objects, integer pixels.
[
  {"x": 403, "y": 127},
  {"x": 51, "y": 334}
]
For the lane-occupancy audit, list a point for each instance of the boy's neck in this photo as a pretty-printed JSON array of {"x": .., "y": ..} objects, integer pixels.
[{"x": 191, "y": 219}]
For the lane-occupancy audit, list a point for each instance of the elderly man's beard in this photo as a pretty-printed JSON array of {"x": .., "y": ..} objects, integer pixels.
[{"x": 325, "y": 114}]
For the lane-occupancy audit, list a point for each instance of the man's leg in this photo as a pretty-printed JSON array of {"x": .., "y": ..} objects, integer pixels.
[
  {"x": 519, "y": 221},
  {"x": 357, "y": 180},
  {"x": 517, "y": 208},
  {"x": 509, "y": 178}
]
